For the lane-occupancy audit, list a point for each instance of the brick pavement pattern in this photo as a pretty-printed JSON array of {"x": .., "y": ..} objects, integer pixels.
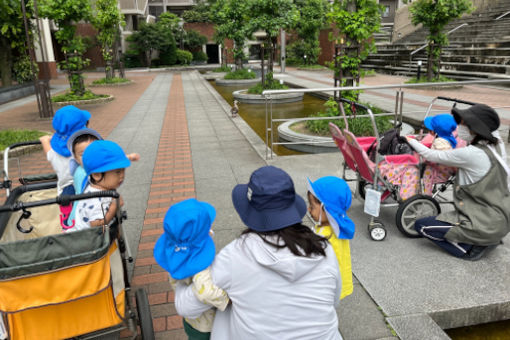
[{"x": 172, "y": 181}]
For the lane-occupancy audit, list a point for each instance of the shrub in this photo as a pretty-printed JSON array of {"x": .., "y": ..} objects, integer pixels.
[
  {"x": 22, "y": 70},
  {"x": 423, "y": 79},
  {"x": 240, "y": 74},
  {"x": 271, "y": 84},
  {"x": 68, "y": 97},
  {"x": 358, "y": 126},
  {"x": 184, "y": 57},
  {"x": 131, "y": 59},
  {"x": 9, "y": 137},
  {"x": 199, "y": 56},
  {"x": 114, "y": 80},
  {"x": 222, "y": 69}
]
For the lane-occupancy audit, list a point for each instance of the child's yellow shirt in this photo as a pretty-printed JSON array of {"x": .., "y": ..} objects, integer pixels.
[{"x": 343, "y": 255}]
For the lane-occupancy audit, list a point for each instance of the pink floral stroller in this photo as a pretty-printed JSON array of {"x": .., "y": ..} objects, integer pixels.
[{"x": 396, "y": 176}]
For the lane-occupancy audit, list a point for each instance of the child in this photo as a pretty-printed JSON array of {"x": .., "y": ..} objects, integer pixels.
[
  {"x": 104, "y": 163},
  {"x": 442, "y": 126},
  {"x": 328, "y": 199},
  {"x": 77, "y": 144},
  {"x": 186, "y": 250},
  {"x": 66, "y": 121}
]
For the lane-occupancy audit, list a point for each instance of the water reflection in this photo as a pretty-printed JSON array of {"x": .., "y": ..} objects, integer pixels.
[{"x": 255, "y": 114}]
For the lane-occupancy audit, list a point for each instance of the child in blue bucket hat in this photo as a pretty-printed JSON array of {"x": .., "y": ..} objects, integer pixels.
[
  {"x": 442, "y": 126},
  {"x": 104, "y": 163},
  {"x": 186, "y": 250},
  {"x": 329, "y": 198},
  {"x": 66, "y": 121}
]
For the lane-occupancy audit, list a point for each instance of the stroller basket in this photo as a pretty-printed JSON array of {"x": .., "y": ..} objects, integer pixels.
[{"x": 61, "y": 286}]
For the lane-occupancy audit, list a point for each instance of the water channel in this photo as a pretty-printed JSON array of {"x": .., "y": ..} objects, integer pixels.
[{"x": 255, "y": 115}]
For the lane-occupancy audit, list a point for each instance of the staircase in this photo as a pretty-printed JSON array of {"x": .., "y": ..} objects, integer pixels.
[{"x": 478, "y": 49}]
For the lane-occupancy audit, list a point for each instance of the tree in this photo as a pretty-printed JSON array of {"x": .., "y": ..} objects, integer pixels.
[
  {"x": 65, "y": 14},
  {"x": 356, "y": 21},
  {"x": 201, "y": 12},
  {"x": 312, "y": 19},
  {"x": 435, "y": 15},
  {"x": 107, "y": 20},
  {"x": 230, "y": 18},
  {"x": 271, "y": 17},
  {"x": 12, "y": 35}
]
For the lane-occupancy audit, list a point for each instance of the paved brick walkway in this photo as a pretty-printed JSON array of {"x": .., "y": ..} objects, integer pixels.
[{"x": 172, "y": 181}]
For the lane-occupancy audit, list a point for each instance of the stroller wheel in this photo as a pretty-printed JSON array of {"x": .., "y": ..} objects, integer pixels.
[
  {"x": 416, "y": 207},
  {"x": 377, "y": 231},
  {"x": 144, "y": 314}
]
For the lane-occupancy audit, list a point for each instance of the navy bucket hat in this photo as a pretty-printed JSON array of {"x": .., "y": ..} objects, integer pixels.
[
  {"x": 66, "y": 121},
  {"x": 443, "y": 125},
  {"x": 335, "y": 195},
  {"x": 269, "y": 201},
  {"x": 186, "y": 247}
]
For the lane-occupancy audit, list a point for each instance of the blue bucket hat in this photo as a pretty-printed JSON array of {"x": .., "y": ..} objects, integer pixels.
[
  {"x": 443, "y": 125},
  {"x": 269, "y": 201},
  {"x": 186, "y": 248},
  {"x": 335, "y": 195},
  {"x": 101, "y": 156},
  {"x": 65, "y": 122}
]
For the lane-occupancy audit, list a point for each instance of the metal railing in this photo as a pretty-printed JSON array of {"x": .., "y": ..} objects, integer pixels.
[
  {"x": 398, "y": 113},
  {"x": 502, "y": 16},
  {"x": 425, "y": 45}
]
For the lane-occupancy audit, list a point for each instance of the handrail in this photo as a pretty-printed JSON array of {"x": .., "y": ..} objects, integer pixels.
[
  {"x": 425, "y": 45},
  {"x": 502, "y": 15},
  {"x": 269, "y": 103}
]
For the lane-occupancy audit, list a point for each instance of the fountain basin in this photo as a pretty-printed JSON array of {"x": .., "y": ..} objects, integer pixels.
[{"x": 243, "y": 97}]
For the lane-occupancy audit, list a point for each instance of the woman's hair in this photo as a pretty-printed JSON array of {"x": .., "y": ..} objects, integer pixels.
[
  {"x": 300, "y": 240},
  {"x": 84, "y": 138}
]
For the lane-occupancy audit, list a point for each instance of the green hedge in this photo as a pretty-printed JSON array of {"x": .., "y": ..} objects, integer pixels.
[
  {"x": 184, "y": 57},
  {"x": 240, "y": 74}
]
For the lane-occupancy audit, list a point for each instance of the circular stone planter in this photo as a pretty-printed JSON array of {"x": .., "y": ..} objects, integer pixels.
[
  {"x": 86, "y": 102},
  {"x": 237, "y": 82},
  {"x": 113, "y": 84},
  {"x": 213, "y": 75},
  {"x": 244, "y": 97},
  {"x": 309, "y": 142}
]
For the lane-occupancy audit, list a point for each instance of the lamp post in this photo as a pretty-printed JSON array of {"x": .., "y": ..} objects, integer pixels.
[{"x": 419, "y": 70}]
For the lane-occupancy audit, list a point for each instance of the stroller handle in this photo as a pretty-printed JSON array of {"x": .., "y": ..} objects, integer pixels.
[
  {"x": 62, "y": 200},
  {"x": 17, "y": 145}
]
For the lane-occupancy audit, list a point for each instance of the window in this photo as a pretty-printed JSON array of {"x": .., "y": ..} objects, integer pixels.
[{"x": 386, "y": 12}]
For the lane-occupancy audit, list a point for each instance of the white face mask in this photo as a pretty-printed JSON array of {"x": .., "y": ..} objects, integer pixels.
[{"x": 464, "y": 133}]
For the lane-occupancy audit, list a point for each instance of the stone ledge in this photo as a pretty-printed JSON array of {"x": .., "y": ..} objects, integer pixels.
[
  {"x": 23, "y": 150},
  {"x": 244, "y": 97},
  {"x": 235, "y": 82},
  {"x": 113, "y": 84},
  {"x": 86, "y": 102}
]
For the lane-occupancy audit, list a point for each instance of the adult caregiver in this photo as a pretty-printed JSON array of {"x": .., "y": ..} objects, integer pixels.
[
  {"x": 481, "y": 191},
  {"x": 282, "y": 279}
]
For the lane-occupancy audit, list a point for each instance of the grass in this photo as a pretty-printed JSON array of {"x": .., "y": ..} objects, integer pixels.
[
  {"x": 423, "y": 79},
  {"x": 312, "y": 67},
  {"x": 68, "y": 97},
  {"x": 114, "y": 80},
  {"x": 240, "y": 74},
  {"x": 9, "y": 137}
]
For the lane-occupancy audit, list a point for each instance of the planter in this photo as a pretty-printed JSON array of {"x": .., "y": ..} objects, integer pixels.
[
  {"x": 439, "y": 88},
  {"x": 243, "y": 97},
  {"x": 86, "y": 102},
  {"x": 15, "y": 92},
  {"x": 213, "y": 75},
  {"x": 112, "y": 84},
  {"x": 315, "y": 144},
  {"x": 237, "y": 82}
]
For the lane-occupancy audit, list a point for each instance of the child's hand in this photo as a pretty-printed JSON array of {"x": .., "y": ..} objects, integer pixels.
[
  {"x": 133, "y": 157},
  {"x": 121, "y": 201},
  {"x": 46, "y": 143}
]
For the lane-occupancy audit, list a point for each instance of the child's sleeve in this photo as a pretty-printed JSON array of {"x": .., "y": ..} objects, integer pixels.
[
  {"x": 92, "y": 209},
  {"x": 207, "y": 292}
]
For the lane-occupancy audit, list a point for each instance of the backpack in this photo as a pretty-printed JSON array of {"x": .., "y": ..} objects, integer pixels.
[{"x": 390, "y": 143}]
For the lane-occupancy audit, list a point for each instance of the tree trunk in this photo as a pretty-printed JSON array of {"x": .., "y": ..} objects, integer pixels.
[
  {"x": 438, "y": 62},
  {"x": 430, "y": 61},
  {"x": 5, "y": 62},
  {"x": 271, "y": 57}
]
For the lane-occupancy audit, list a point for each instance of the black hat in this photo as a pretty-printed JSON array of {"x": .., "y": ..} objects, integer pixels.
[{"x": 480, "y": 118}]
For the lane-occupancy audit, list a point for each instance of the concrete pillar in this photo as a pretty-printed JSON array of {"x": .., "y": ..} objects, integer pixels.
[
  {"x": 283, "y": 55},
  {"x": 46, "y": 57}
]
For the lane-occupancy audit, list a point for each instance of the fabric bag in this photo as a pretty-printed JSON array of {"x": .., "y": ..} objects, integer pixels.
[{"x": 390, "y": 143}]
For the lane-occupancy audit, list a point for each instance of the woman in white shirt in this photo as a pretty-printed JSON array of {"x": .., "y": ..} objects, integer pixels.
[{"x": 481, "y": 191}]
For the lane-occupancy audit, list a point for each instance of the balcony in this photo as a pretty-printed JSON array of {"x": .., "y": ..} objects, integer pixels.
[{"x": 133, "y": 6}]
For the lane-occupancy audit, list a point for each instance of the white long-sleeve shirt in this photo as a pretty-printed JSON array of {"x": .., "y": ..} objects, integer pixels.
[
  {"x": 472, "y": 162},
  {"x": 274, "y": 294}
]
